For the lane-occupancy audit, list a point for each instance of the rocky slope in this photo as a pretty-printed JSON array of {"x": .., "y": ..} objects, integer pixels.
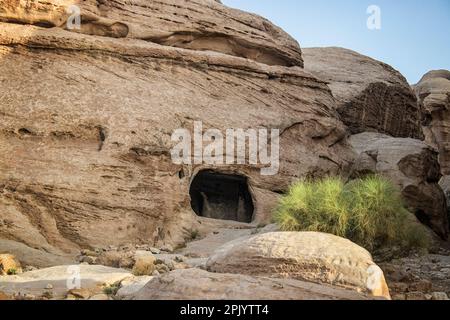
[
  {"x": 370, "y": 95},
  {"x": 87, "y": 116}
]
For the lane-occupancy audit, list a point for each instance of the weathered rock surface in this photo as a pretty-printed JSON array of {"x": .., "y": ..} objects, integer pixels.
[
  {"x": 195, "y": 284},
  {"x": 306, "y": 256},
  {"x": 433, "y": 91},
  {"x": 87, "y": 117},
  {"x": 413, "y": 166},
  {"x": 58, "y": 281},
  {"x": 371, "y": 95}
]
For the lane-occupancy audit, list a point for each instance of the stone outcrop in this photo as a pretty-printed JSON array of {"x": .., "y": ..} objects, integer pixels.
[
  {"x": 305, "y": 256},
  {"x": 370, "y": 95},
  {"x": 195, "y": 284},
  {"x": 433, "y": 91},
  {"x": 87, "y": 116},
  {"x": 412, "y": 165}
]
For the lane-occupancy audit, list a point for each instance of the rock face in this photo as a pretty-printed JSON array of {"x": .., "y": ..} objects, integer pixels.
[
  {"x": 306, "y": 256},
  {"x": 413, "y": 166},
  {"x": 433, "y": 91},
  {"x": 195, "y": 284},
  {"x": 87, "y": 116},
  {"x": 371, "y": 95}
]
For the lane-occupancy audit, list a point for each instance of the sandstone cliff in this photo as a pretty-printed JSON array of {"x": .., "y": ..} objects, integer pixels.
[{"x": 87, "y": 116}]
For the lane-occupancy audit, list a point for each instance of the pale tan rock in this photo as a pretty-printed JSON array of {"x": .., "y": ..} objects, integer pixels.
[
  {"x": 413, "y": 166},
  {"x": 85, "y": 136},
  {"x": 433, "y": 91},
  {"x": 144, "y": 266},
  {"x": 195, "y": 284},
  {"x": 370, "y": 95},
  {"x": 131, "y": 286},
  {"x": 306, "y": 256},
  {"x": 9, "y": 265},
  {"x": 63, "y": 279}
]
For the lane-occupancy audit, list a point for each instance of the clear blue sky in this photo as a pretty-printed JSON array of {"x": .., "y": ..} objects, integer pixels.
[{"x": 414, "y": 36}]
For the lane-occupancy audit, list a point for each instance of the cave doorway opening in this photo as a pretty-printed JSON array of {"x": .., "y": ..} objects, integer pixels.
[{"x": 221, "y": 196}]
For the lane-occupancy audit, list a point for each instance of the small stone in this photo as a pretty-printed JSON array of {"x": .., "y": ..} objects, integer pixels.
[
  {"x": 399, "y": 297},
  {"x": 428, "y": 296},
  {"x": 424, "y": 286},
  {"x": 87, "y": 252},
  {"x": 167, "y": 248},
  {"x": 29, "y": 268},
  {"x": 155, "y": 250},
  {"x": 88, "y": 259},
  {"x": 417, "y": 296},
  {"x": 80, "y": 293},
  {"x": 162, "y": 268},
  {"x": 439, "y": 296},
  {"x": 49, "y": 286},
  {"x": 155, "y": 273},
  {"x": 100, "y": 297}
]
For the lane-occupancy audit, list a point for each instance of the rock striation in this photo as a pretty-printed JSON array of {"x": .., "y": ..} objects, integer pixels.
[{"x": 370, "y": 95}]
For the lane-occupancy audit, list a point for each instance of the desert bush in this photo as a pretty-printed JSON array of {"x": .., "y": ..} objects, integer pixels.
[{"x": 368, "y": 211}]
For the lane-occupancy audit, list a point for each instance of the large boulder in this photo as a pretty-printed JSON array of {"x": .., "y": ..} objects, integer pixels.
[
  {"x": 306, "y": 256},
  {"x": 87, "y": 117},
  {"x": 370, "y": 95},
  {"x": 412, "y": 165},
  {"x": 433, "y": 91},
  {"x": 195, "y": 284}
]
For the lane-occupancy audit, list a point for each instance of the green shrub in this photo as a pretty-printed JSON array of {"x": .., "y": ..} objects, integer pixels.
[
  {"x": 368, "y": 211},
  {"x": 11, "y": 272}
]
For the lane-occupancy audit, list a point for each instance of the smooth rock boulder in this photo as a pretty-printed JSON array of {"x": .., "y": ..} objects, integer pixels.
[
  {"x": 433, "y": 91},
  {"x": 88, "y": 115},
  {"x": 412, "y": 165},
  {"x": 195, "y": 284},
  {"x": 307, "y": 256},
  {"x": 370, "y": 95}
]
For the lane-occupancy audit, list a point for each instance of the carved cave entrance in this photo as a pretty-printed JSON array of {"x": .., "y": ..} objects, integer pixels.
[{"x": 221, "y": 196}]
